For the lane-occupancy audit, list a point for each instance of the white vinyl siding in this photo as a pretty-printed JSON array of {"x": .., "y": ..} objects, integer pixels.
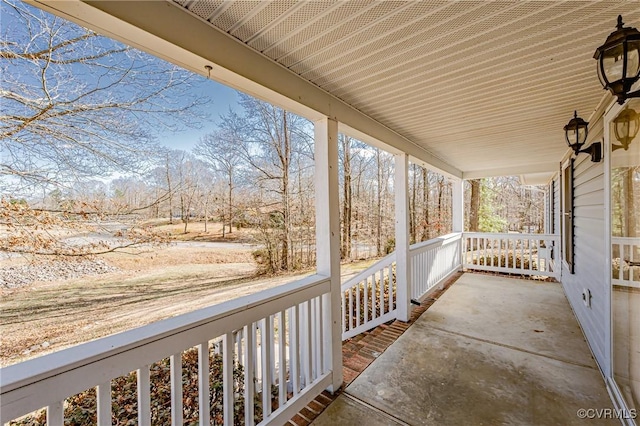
[{"x": 589, "y": 246}]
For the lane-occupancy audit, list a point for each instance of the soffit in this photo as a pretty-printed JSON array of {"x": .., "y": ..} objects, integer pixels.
[{"x": 480, "y": 84}]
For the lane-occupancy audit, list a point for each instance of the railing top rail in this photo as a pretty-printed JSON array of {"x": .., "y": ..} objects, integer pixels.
[
  {"x": 34, "y": 370},
  {"x": 511, "y": 235},
  {"x": 626, "y": 240},
  {"x": 438, "y": 241},
  {"x": 367, "y": 272}
]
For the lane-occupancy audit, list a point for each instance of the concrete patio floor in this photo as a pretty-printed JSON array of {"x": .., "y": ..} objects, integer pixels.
[{"x": 490, "y": 351}]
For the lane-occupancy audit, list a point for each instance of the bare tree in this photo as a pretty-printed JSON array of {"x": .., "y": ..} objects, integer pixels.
[
  {"x": 77, "y": 104},
  {"x": 347, "y": 196},
  {"x": 272, "y": 137},
  {"x": 220, "y": 150}
]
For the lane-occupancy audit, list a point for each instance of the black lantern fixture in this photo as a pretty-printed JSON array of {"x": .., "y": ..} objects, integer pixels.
[
  {"x": 619, "y": 61},
  {"x": 576, "y": 132},
  {"x": 625, "y": 127}
]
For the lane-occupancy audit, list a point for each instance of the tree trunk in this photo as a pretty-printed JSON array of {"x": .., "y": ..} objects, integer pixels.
[
  {"x": 168, "y": 171},
  {"x": 286, "y": 210},
  {"x": 185, "y": 214},
  {"x": 346, "y": 212},
  {"x": 230, "y": 202},
  {"x": 379, "y": 205},
  {"x": 426, "y": 231},
  {"x": 412, "y": 205},
  {"x": 206, "y": 212},
  {"x": 474, "y": 209}
]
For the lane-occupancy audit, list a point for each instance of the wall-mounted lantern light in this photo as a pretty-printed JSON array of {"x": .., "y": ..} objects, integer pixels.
[
  {"x": 625, "y": 127},
  {"x": 576, "y": 132},
  {"x": 619, "y": 61}
]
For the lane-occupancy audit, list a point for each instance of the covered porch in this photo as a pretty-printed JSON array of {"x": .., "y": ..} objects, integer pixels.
[{"x": 494, "y": 349}]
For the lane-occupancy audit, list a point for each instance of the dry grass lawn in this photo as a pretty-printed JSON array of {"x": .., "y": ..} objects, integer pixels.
[{"x": 151, "y": 286}]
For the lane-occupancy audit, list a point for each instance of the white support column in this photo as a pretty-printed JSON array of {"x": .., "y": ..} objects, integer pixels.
[
  {"x": 457, "y": 212},
  {"x": 328, "y": 241},
  {"x": 403, "y": 261},
  {"x": 457, "y": 208}
]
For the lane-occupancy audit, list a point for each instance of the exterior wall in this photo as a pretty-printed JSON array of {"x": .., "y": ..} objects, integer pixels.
[{"x": 589, "y": 248}]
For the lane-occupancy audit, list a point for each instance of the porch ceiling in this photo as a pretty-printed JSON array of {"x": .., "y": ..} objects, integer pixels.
[{"x": 482, "y": 85}]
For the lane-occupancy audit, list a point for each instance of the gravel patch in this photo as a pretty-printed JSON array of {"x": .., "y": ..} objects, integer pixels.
[{"x": 13, "y": 277}]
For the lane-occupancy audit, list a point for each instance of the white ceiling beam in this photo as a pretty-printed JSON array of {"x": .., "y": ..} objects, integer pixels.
[
  {"x": 550, "y": 167},
  {"x": 170, "y": 32}
]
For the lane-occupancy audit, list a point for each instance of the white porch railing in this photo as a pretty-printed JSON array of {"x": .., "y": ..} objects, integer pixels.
[
  {"x": 369, "y": 298},
  {"x": 281, "y": 348},
  {"x": 432, "y": 262},
  {"x": 625, "y": 265},
  {"x": 524, "y": 254}
]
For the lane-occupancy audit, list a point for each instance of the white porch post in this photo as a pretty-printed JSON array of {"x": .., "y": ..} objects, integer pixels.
[
  {"x": 457, "y": 208},
  {"x": 457, "y": 214},
  {"x": 328, "y": 241},
  {"x": 403, "y": 261}
]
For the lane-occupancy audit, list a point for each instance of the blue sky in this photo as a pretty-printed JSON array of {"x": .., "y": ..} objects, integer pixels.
[
  {"x": 13, "y": 27},
  {"x": 222, "y": 98}
]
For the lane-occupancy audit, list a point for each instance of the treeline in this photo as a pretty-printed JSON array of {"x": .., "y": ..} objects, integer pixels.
[
  {"x": 502, "y": 204},
  {"x": 256, "y": 171}
]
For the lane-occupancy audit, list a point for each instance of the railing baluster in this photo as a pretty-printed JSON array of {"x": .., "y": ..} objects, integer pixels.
[
  {"x": 308, "y": 361},
  {"x": 319, "y": 320},
  {"x": 282, "y": 364},
  {"x": 366, "y": 300},
  {"x": 313, "y": 337},
  {"x": 358, "y": 305},
  {"x": 55, "y": 414},
  {"x": 350, "y": 309},
  {"x": 294, "y": 336},
  {"x": 238, "y": 345},
  {"x": 485, "y": 245},
  {"x": 204, "y": 402},
  {"x": 265, "y": 338},
  {"x": 620, "y": 262},
  {"x": 391, "y": 286},
  {"x": 103, "y": 395},
  {"x": 374, "y": 296},
  {"x": 493, "y": 253},
  {"x": 144, "y": 396},
  {"x": 272, "y": 348},
  {"x": 227, "y": 379},
  {"x": 344, "y": 311},
  {"x": 249, "y": 382},
  {"x": 381, "y": 293},
  {"x": 176, "y": 389}
]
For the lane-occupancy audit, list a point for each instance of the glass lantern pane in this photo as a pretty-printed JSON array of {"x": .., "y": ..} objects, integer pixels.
[
  {"x": 612, "y": 62},
  {"x": 621, "y": 129},
  {"x": 633, "y": 60},
  {"x": 572, "y": 136},
  {"x": 603, "y": 81},
  {"x": 582, "y": 135}
]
